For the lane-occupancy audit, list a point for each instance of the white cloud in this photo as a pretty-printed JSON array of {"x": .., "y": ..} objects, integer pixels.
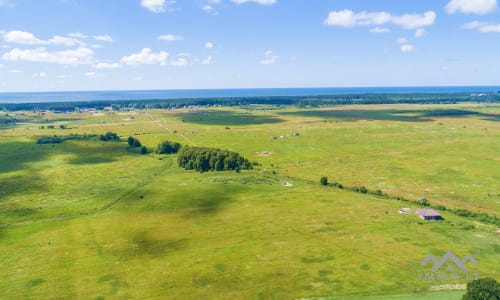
[
  {"x": 78, "y": 35},
  {"x": 20, "y": 37},
  {"x": 179, "y": 62},
  {"x": 420, "y": 33},
  {"x": 91, "y": 75},
  {"x": 483, "y": 27},
  {"x": 407, "y": 48},
  {"x": 170, "y": 38},
  {"x": 104, "y": 65},
  {"x": 209, "y": 45},
  {"x": 348, "y": 18},
  {"x": 413, "y": 21},
  {"x": 40, "y": 75},
  {"x": 380, "y": 30},
  {"x": 402, "y": 40},
  {"x": 103, "y": 38},
  {"x": 14, "y": 71},
  {"x": 263, "y": 2},
  {"x": 146, "y": 57},
  {"x": 209, "y": 9},
  {"x": 5, "y": 3},
  {"x": 479, "y": 7},
  {"x": 270, "y": 58},
  {"x": 28, "y": 38},
  {"x": 207, "y": 60},
  {"x": 72, "y": 57},
  {"x": 157, "y": 6}
]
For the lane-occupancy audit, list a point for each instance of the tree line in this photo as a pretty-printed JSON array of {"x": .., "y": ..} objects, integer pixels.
[{"x": 345, "y": 99}]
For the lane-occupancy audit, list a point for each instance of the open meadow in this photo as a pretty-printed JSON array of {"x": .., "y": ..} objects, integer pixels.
[{"x": 92, "y": 219}]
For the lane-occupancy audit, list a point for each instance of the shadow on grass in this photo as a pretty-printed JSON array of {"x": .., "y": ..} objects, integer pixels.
[
  {"x": 203, "y": 202},
  {"x": 392, "y": 115},
  {"x": 24, "y": 183},
  {"x": 226, "y": 118},
  {"x": 90, "y": 160},
  {"x": 144, "y": 244}
]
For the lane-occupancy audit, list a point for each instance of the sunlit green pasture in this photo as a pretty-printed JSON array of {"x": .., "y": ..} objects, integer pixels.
[{"x": 89, "y": 219}]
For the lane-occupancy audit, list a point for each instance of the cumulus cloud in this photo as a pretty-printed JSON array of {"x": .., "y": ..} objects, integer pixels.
[
  {"x": 91, "y": 75},
  {"x": 479, "y": 7},
  {"x": 207, "y": 60},
  {"x": 157, "y": 6},
  {"x": 209, "y": 45},
  {"x": 103, "y": 38},
  {"x": 40, "y": 75},
  {"x": 209, "y": 9},
  {"x": 407, "y": 48},
  {"x": 28, "y": 38},
  {"x": 270, "y": 58},
  {"x": 179, "y": 62},
  {"x": 263, "y": 2},
  {"x": 146, "y": 57},
  {"x": 104, "y": 65},
  {"x": 72, "y": 57},
  {"x": 420, "y": 33},
  {"x": 170, "y": 37},
  {"x": 402, "y": 40},
  {"x": 5, "y": 3},
  {"x": 483, "y": 27},
  {"x": 380, "y": 30},
  {"x": 348, "y": 18},
  {"x": 78, "y": 35}
]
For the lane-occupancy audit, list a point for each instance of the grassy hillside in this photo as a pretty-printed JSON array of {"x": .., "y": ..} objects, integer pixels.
[{"x": 89, "y": 219}]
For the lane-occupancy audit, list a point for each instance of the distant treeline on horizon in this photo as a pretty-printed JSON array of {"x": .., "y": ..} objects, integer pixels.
[{"x": 311, "y": 101}]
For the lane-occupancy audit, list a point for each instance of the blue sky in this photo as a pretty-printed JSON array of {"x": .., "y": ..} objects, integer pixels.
[{"x": 56, "y": 45}]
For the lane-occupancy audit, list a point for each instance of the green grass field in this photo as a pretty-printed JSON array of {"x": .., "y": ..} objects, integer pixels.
[{"x": 89, "y": 219}]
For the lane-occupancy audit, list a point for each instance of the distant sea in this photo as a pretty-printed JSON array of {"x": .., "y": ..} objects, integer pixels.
[{"x": 38, "y": 97}]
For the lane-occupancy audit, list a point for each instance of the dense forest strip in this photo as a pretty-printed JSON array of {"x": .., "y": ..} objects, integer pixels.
[{"x": 319, "y": 100}]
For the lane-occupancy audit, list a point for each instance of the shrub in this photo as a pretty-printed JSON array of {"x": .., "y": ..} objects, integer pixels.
[
  {"x": 109, "y": 136},
  {"x": 324, "y": 180},
  {"x": 133, "y": 142},
  {"x": 423, "y": 201},
  {"x": 484, "y": 288}
]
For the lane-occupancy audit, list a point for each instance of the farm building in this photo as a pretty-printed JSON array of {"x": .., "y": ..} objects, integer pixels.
[{"x": 429, "y": 214}]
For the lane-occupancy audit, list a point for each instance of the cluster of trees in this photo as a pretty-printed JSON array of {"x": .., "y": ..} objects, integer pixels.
[
  {"x": 109, "y": 136},
  {"x": 168, "y": 147},
  {"x": 59, "y": 139},
  {"x": 211, "y": 159},
  {"x": 133, "y": 142}
]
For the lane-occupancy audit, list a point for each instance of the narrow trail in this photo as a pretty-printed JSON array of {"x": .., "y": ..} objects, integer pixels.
[
  {"x": 162, "y": 125},
  {"x": 97, "y": 210}
]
